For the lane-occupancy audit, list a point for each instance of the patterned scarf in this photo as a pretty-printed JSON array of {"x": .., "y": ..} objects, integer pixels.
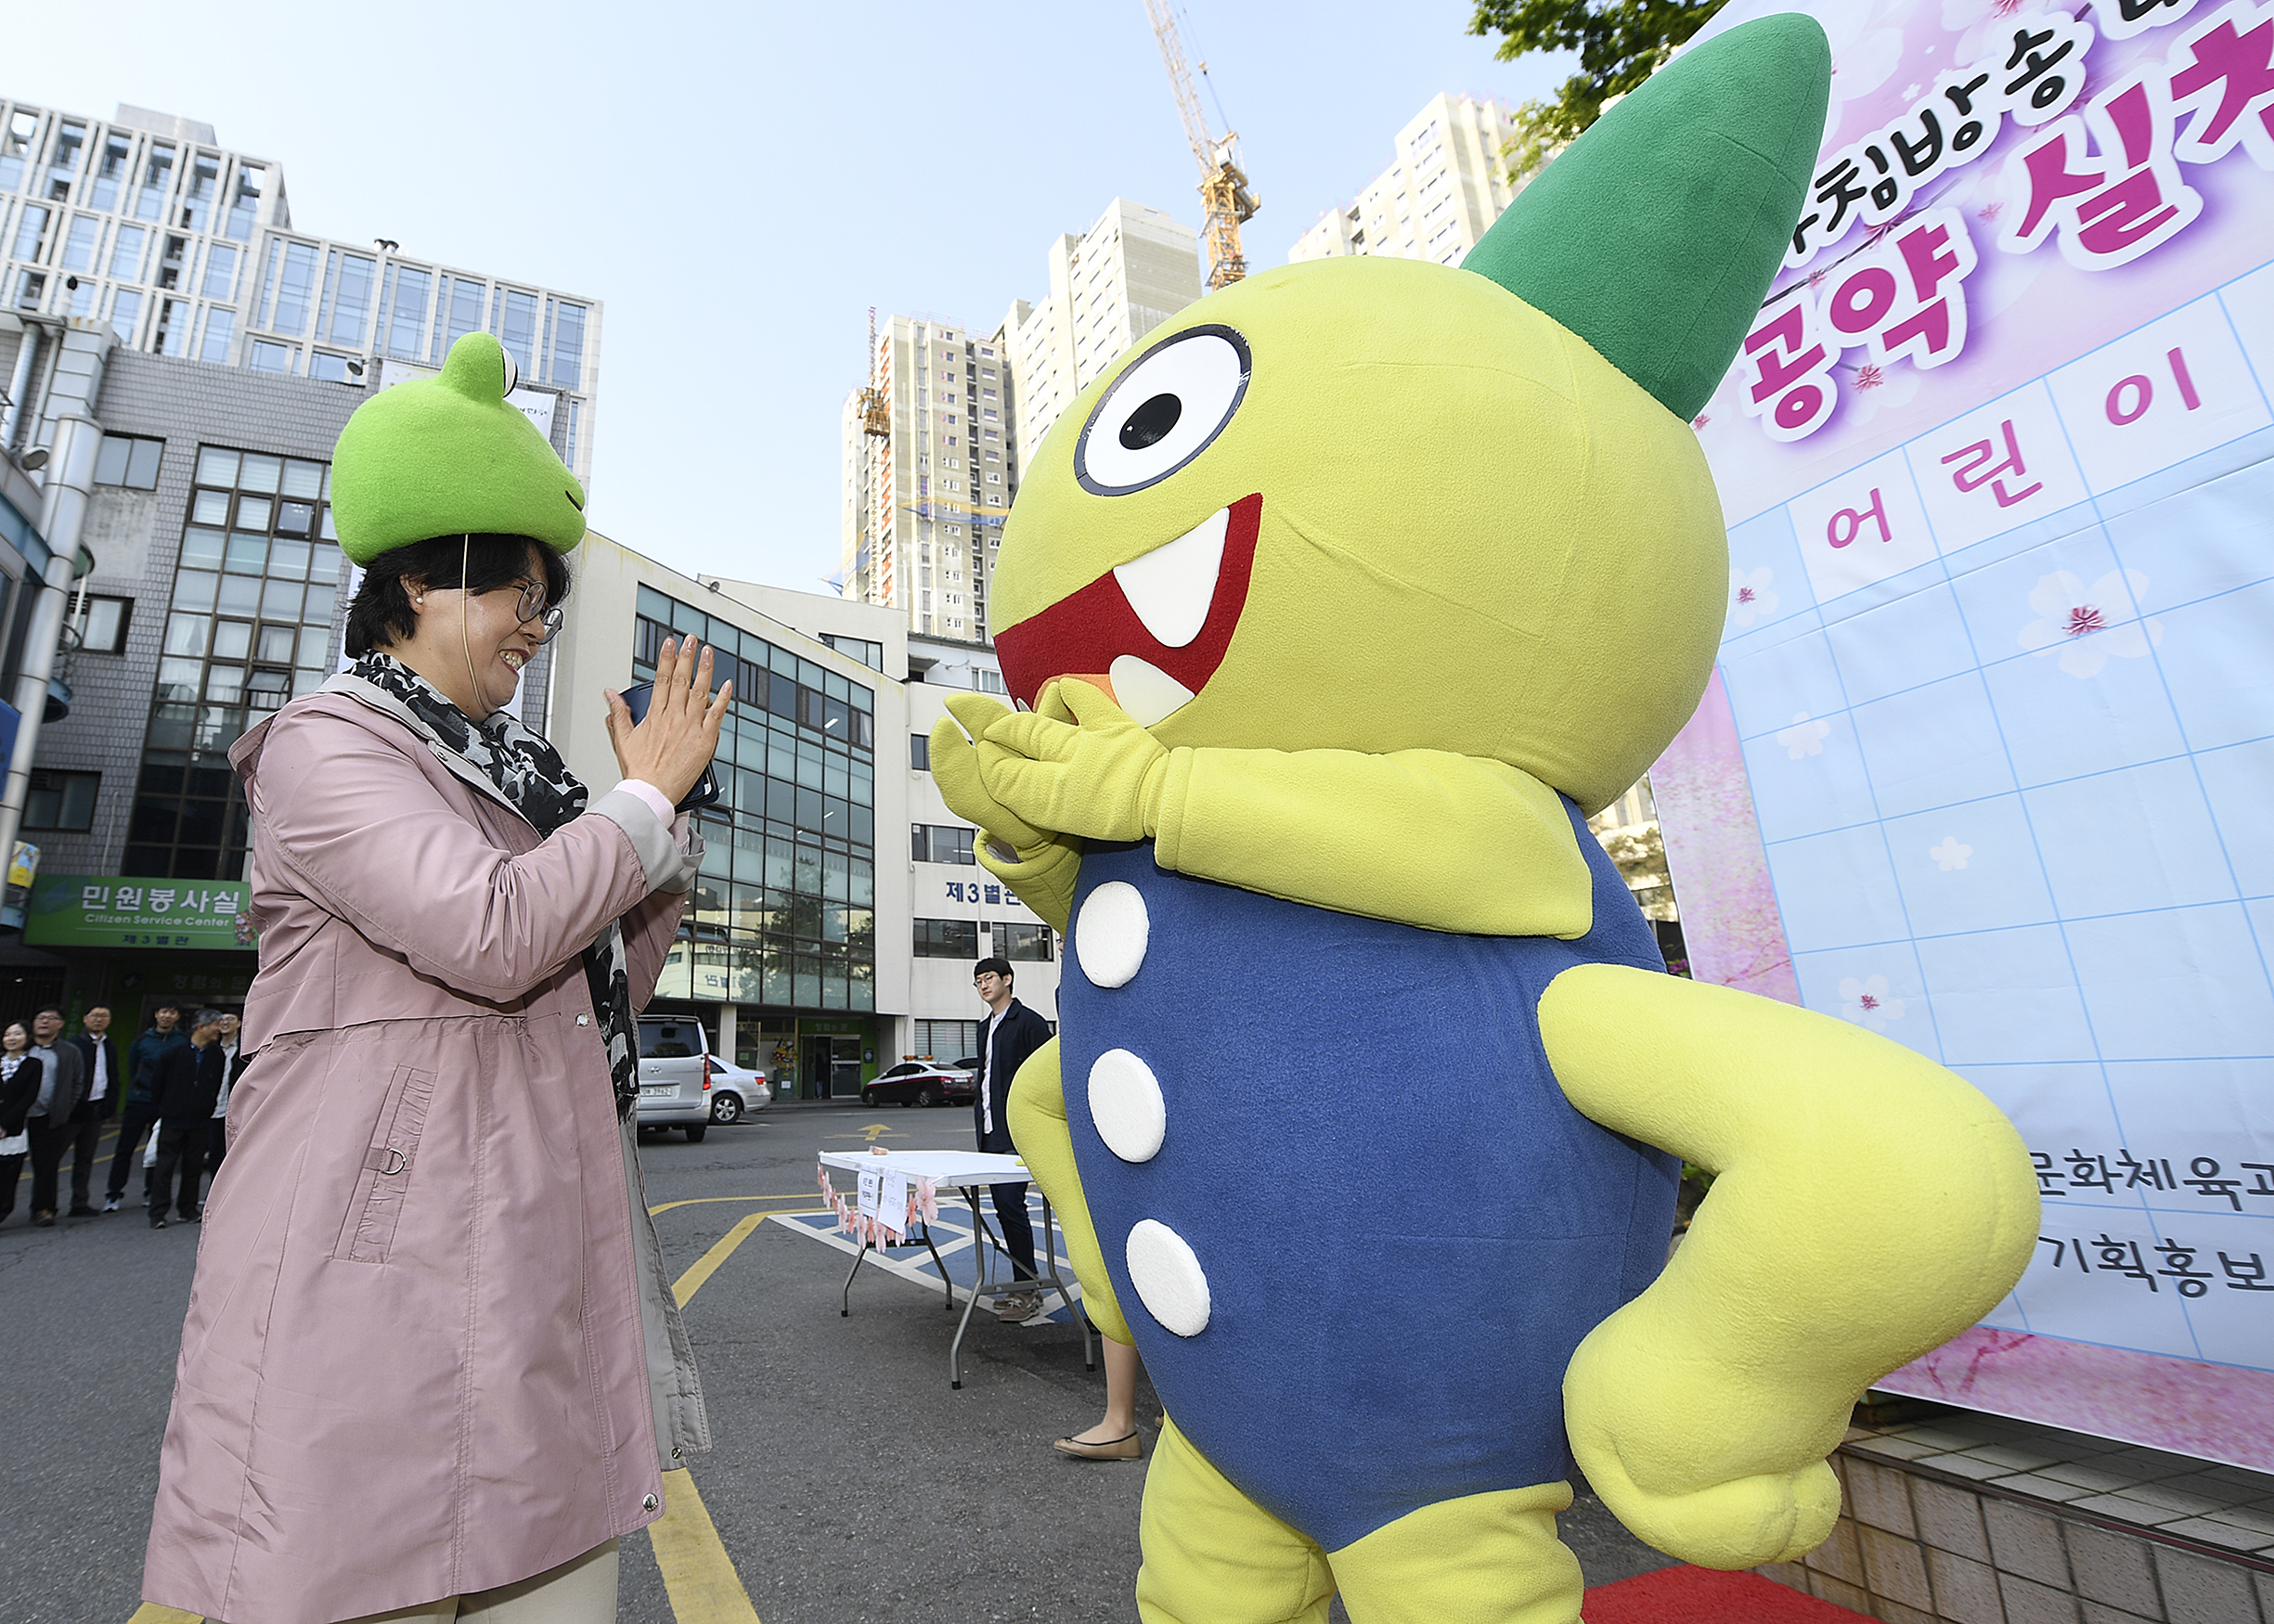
[{"x": 531, "y": 775}]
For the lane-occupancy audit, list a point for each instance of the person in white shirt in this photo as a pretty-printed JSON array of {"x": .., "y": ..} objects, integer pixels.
[
  {"x": 99, "y": 1061},
  {"x": 217, "y": 1136},
  {"x": 1012, "y": 1033}
]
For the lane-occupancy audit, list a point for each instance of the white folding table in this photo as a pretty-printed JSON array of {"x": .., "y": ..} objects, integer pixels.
[{"x": 968, "y": 1171}]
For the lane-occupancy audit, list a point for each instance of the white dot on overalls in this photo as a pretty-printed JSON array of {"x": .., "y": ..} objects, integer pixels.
[
  {"x": 1110, "y": 933},
  {"x": 1168, "y": 1279},
  {"x": 1126, "y": 1106}
]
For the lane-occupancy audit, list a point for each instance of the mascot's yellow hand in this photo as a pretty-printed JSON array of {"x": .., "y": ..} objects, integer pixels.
[
  {"x": 955, "y": 768},
  {"x": 1098, "y": 775},
  {"x": 1686, "y": 1469},
  {"x": 1040, "y": 867}
]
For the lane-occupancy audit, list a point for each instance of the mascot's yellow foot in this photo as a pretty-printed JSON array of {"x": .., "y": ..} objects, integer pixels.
[{"x": 1214, "y": 1556}]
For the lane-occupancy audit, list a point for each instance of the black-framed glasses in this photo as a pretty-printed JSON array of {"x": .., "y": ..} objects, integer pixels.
[{"x": 532, "y": 607}]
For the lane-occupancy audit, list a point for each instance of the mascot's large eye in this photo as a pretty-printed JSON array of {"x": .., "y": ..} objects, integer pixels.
[{"x": 1163, "y": 411}]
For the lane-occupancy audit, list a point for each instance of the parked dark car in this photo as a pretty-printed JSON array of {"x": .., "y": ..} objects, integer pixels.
[{"x": 921, "y": 1082}]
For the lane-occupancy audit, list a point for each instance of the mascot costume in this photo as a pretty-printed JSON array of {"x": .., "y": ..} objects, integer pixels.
[{"x": 1337, "y": 607}]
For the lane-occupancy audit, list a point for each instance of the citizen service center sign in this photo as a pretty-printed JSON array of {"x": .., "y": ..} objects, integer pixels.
[{"x": 81, "y": 910}]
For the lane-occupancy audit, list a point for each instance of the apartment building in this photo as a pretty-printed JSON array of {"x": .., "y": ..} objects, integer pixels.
[{"x": 1447, "y": 185}]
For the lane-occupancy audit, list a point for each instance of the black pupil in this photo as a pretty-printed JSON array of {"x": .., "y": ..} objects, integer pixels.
[{"x": 1151, "y": 421}]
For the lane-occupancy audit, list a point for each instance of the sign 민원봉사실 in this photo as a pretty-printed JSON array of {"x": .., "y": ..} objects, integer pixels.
[{"x": 94, "y": 910}]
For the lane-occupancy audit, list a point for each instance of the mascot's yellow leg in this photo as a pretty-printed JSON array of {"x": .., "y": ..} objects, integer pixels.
[
  {"x": 1481, "y": 1559},
  {"x": 1214, "y": 1556}
]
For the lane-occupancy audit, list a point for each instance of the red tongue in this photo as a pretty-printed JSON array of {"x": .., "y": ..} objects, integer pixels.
[{"x": 1086, "y": 631}]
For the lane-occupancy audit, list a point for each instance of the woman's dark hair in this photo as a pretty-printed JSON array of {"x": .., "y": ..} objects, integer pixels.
[{"x": 380, "y": 614}]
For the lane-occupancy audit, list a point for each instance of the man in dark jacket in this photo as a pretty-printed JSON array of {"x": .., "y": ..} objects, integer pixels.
[
  {"x": 141, "y": 1113},
  {"x": 1012, "y": 1033},
  {"x": 189, "y": 1081},
  {"x": 62, "y": 1085},
  {"x": 98, "y": 1062}
]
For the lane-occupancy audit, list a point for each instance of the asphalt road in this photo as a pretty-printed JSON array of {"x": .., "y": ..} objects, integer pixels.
[{"x": 848, "y": 1484}]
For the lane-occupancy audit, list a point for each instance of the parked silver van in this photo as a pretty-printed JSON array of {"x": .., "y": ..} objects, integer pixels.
[{"x": 675, "y": 1075}]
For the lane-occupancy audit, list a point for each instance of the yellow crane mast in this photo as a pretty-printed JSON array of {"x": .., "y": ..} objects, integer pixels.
[
  {"x": 1223, "y": 186},
  {"x": 876, "y": 410}
]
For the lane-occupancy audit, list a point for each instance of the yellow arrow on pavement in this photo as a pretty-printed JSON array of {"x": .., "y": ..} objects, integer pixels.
[{"x": 872, "y": 1133}]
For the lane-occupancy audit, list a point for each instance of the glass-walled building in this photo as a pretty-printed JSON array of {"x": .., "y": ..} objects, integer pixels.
[
  {"x": 146, "y": 223},
  {"x": 779, "y": 957}
]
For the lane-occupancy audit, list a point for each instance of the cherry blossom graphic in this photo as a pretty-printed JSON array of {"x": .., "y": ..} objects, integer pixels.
[
  {"x": 2089, "y": 624},
  {"x": 1866, "y": 1002},
  {"x": 1749, "y": 597},
  {"x": 1873, "y": 389},
  {"x": 1950, "y": 854},
  {"x": 1804, "y": 737}
]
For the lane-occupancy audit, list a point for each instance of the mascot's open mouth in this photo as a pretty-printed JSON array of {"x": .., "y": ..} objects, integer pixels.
[{"x": 1154, "y": 629}]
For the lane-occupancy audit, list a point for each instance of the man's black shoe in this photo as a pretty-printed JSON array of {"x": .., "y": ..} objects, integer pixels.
[
  {"x": 82, "y": 1212},
  {"x": 158, "y": 1223}
]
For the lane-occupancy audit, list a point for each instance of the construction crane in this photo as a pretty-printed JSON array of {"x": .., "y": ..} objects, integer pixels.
[
  {"x": 876, "y": 410},
  {"x": 1223, "y": 186}
]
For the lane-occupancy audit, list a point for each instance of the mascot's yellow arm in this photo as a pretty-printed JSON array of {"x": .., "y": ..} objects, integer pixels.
[
  {"x": 1038, "y": 1125},
  {"x": 1869, "y": 1207},
  {"x": 1423, "y": 837}
]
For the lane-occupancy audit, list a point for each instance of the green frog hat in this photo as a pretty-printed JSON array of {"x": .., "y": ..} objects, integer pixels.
[{"x": 449, "y": 456}]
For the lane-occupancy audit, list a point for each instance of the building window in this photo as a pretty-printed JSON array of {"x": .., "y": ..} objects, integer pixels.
[
  {"x": 268, "y": 357},
  {"x": 157, "y": 181},
  {"x": 460, "y": 313},
  {"x": 16, "y": 147},
  {"x": 407, "y": 316},
  {"x": 102, "y": 623},
  {"x": 220, "y": 328},
  {"x": 919, "y": 752},
  {"x": 948, "y": 939},
  {"x": 172, "y": 335},
  {"x": 868, "y": 653},
  {"x": 940, "y": 843},
  {"x": 130, "y": 460},
  {"x": 516, "y": 329},
  {"x": 61, "y": 800},
  {"x": 126, "y": 314},
  {"x": 126, "y": 252},
  {"x": 220, "y": 272},
  {"x": 568, "y": 345},
  {"x": 245, "y": 207},
  {"x": 197, "y": 196},
  {"x": 945, "y": 1041},
  {"x": 79, "y": 246},
  {"x": 1023, "y": 944},
  {"x": 30, "y": 232},
  {"x": 250, "y": 626},
  {"x": 352, "y": 283},
  {"x": 295, "y": 290},
  {"x": 327, "y": 367}
]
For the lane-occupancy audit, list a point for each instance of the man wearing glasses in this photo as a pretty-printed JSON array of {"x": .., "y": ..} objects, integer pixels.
[{"x": 1013, "y": 1032}]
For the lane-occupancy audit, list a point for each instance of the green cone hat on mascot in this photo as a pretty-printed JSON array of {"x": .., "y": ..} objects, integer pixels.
[
  {"x": 448, "y": 455},
  {"x": 1338, "y": 604},
  {"x": 1656, "y": 234}
]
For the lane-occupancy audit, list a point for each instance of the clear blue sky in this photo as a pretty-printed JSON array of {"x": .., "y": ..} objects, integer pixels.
[{"x": 740, "y": 184}]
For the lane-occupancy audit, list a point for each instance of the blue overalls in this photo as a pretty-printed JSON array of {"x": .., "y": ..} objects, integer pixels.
[{"x": 1399, "y": 1227}]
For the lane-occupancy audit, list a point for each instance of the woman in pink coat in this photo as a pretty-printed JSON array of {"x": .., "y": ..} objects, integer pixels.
[{"x": 432, "y": 1367}]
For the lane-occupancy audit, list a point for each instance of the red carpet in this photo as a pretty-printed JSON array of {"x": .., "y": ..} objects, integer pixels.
[{"x": 1700, "y": 1595}]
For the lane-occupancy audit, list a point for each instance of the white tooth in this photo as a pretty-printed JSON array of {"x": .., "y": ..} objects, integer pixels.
[
  {"x": 1144, "y": 691},
  {"x": 1171, "y": 586}
]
